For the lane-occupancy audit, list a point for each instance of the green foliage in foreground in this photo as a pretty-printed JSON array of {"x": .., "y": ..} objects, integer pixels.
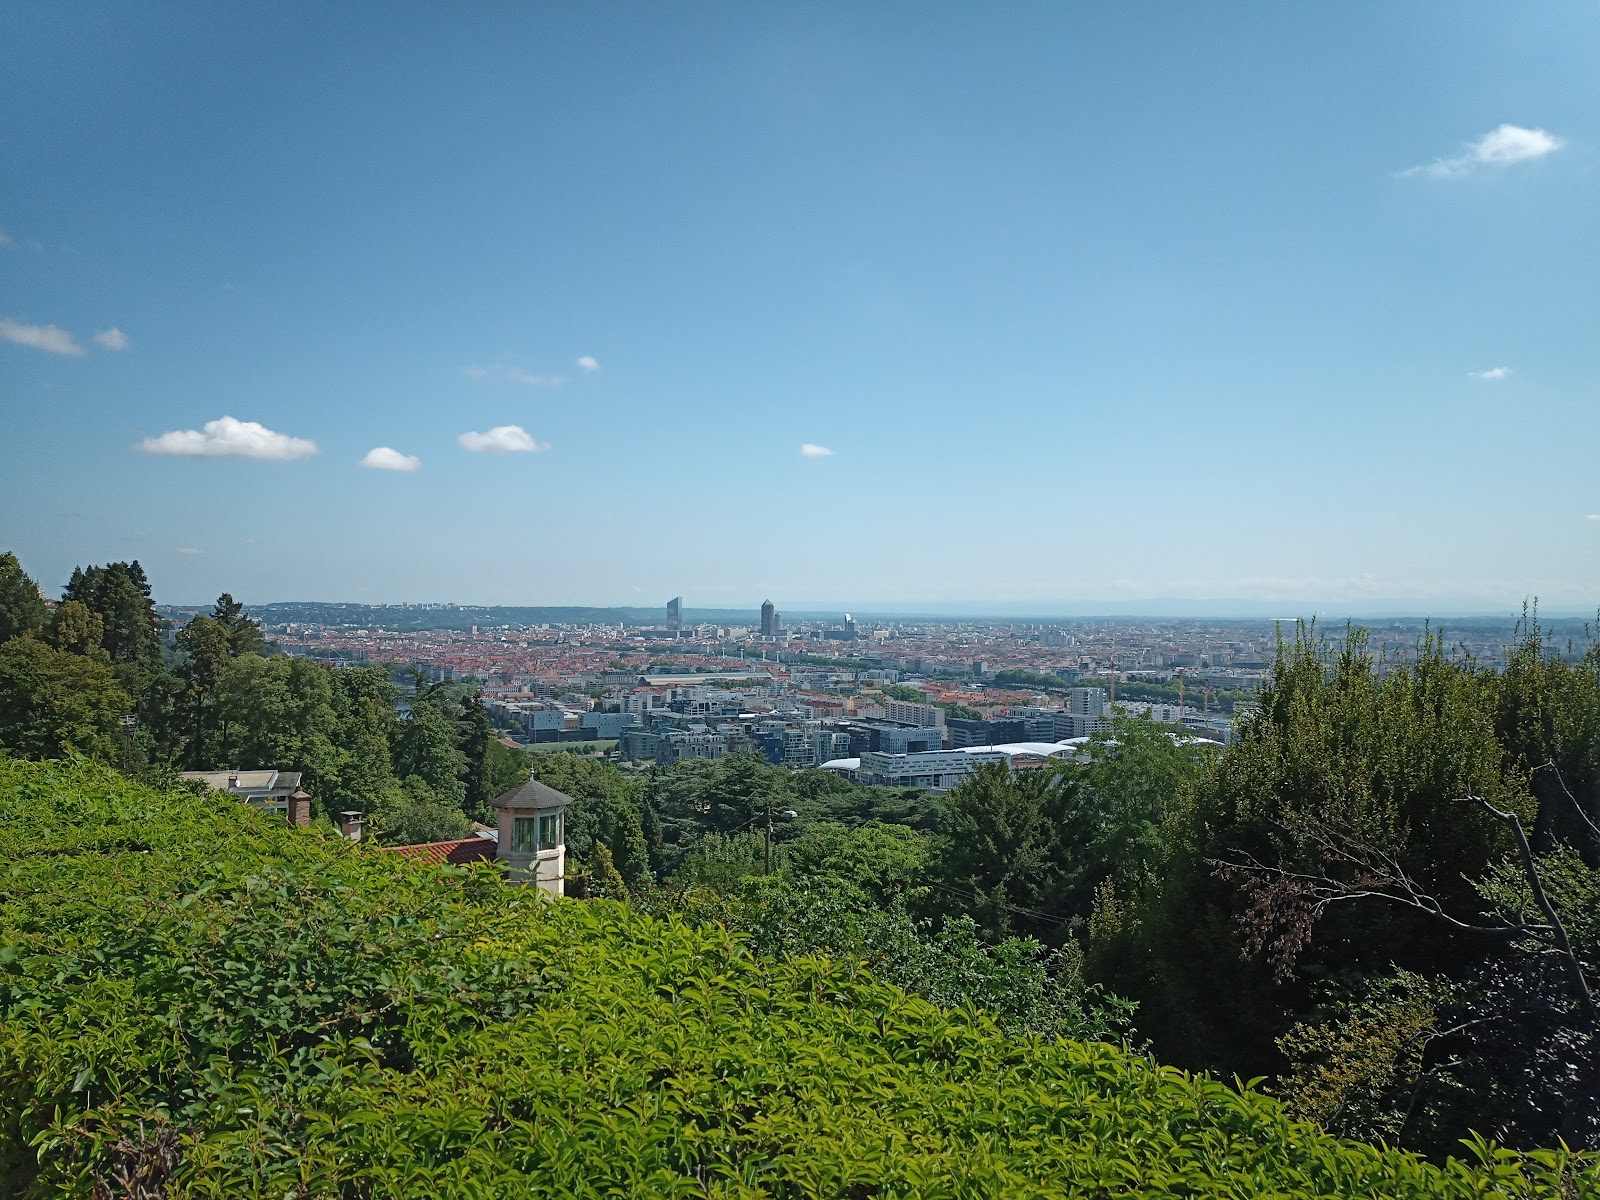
[{"x": 190, "y": 990}]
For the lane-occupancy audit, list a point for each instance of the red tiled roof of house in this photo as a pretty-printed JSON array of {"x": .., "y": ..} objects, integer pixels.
[{"x": 467, "y": 850}]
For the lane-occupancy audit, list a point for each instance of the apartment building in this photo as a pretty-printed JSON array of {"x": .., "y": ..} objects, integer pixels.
[{"x": 908, "y": 712}]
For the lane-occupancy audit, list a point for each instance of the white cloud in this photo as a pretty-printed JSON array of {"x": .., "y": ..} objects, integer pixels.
[
  {"x": 514, "y": 375},
  {"x": 1593, "y": 517},
  {"x": 189, "y": 550},
  {"x": 1492, "y": 375},
  {"x": 5, "y": 238},
  {"x": 589, "y": 363},
  {"x": 808, "y": 450},
  {"x": 1500, "y": 147},
  {"x": 40, "y": 337},
  {"x": 228, "y": 438},
  {"x": 386, "y": 458},
  {"x": 1512, "y": 143},
  {"x": 113, "y": 339},
  {"x": 502, "y": 439}
]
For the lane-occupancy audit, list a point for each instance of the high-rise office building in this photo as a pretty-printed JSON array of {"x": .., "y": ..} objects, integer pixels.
[
  {"x": 769, "y": 619},
  {"x": 675, "y": 614}
]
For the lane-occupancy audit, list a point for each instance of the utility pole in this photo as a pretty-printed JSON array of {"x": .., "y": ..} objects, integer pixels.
[{"x": 787, "y": 814}]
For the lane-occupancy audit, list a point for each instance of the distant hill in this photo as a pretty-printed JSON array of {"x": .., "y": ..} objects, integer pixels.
[{"x": 200, "y": 1000}]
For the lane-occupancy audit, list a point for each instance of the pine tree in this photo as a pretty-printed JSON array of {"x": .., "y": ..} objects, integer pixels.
[
  {"x": 120, "y": 594},
  {"x": 244, "y": 633},
  {"x": 22, "y": 607}
]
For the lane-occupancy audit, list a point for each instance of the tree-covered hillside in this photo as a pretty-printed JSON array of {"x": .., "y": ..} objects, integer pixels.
[
  {"x": 104, "y": 677},
  {"x": 196, "y": 1001}
]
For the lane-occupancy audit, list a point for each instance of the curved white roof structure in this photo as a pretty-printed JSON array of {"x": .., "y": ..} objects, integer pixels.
[{"x": 1070, "y": 748}]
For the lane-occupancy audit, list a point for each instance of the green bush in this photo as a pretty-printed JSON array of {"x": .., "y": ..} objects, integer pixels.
[{"x": 196, "y": 999}]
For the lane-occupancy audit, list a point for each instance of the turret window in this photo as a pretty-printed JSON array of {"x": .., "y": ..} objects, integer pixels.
[
  {"x": 549, "y": 831},
  {"x": 522, "y": 835},
  {"x": 532, "y": 834}
]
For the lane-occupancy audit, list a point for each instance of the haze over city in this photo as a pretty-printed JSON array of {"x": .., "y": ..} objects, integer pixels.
[{"x": 902, "y": 308}]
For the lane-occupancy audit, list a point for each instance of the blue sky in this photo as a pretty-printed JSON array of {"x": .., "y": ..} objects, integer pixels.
[{"x": 1092, "y": 305}]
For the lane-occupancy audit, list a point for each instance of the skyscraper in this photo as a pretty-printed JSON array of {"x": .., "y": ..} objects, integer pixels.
[
  {"x": 769, "y": 619},
  {"x": 675, "y": 614}
]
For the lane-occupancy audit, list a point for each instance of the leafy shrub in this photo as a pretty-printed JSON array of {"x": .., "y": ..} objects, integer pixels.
[{"x": 195, "y": 998}]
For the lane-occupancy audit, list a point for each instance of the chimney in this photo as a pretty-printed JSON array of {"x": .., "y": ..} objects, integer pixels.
[
  {"x": 350, "y": 825},
  {"x": 299, "y": 807},
  {"x": 233, "y": 780}
]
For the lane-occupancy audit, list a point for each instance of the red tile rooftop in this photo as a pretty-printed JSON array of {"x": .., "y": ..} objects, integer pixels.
[{"x": 467, "y": 850}]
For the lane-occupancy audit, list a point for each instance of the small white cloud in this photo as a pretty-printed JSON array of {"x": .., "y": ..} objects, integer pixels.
[
  {"x": 502, "y": 439},
  {"x": 1500, "y": 147},
  {"x": 1593, "y": 517},
  {"x": 514, "y": 375},
  {"x": 113, "y": 339},
  {"x": 5, "y": 238},
  {"x": 589, "y": 363},
  {"x": 386, "y": 458},
  {"x": 228, "y": 438},
  {"x": 809, "y": 450},
  {"x": 40, "y": 337},
  {"x": 189, "y": 550},
  {"x": 1512, "y": 143},
  {"x": 1492, "y": 374}
]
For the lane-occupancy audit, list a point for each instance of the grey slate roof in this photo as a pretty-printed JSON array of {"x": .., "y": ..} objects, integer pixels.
[
  {"x": 269, "y": 781},
  {"x": 533, "y": 794}
]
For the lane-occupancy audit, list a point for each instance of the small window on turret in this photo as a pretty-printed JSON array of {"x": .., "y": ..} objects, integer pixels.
[
  {"x": 522, "y": 830},
  {"x": 549, "y": 831}
]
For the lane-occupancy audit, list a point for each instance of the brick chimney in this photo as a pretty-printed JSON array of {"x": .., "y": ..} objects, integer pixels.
[{"x": 299, "y": 807}]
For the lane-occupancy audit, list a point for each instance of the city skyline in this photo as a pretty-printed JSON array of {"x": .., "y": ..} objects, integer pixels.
[{"x": 1049, "y": 311}]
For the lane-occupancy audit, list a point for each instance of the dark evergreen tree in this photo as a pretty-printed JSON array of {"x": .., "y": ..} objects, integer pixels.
[
  {"x": 22, "y": 606},
  {"x": 1001, "y": 858},
  {"x": 425, "y": 746},
  {"x": 203, "y": 644},
  {"x": 244, "y": 634},
  {"x": 120, "y": 594}
]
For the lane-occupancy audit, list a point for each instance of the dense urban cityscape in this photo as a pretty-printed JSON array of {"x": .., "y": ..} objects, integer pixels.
[{"x": 899, "y": 701}]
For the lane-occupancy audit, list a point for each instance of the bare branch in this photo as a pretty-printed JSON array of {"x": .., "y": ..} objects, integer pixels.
[
  {"x": 1285, "y": 905},
  {"x": 1580, "y": 985},
  {"x": 1576, "y": 807}
]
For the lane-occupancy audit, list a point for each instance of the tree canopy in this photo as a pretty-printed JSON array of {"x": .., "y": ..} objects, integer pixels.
[
  {"x": 22, "y": 606},
  {"x": 287, "y": 1014}
]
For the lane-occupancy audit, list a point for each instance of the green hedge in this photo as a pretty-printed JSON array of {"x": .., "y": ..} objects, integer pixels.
[{"x": 194, "y": 997}]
